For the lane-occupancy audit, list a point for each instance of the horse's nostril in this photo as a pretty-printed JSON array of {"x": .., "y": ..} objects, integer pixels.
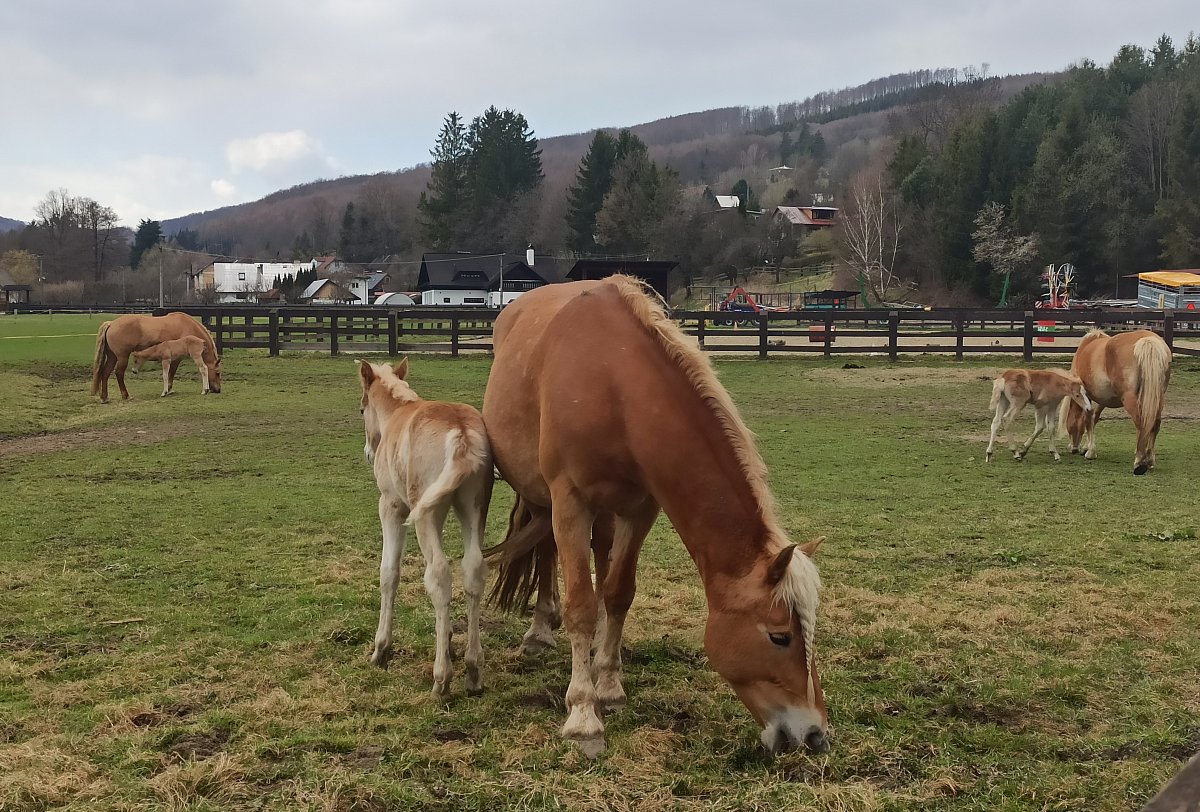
[{"x": 816, "y": 740}]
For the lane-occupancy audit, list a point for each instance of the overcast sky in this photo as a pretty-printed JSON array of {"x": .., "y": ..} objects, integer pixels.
[{"x": 163, "y": 109}]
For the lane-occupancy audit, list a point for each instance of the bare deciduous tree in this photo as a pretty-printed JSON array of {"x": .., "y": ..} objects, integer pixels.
[
  {"x": 870, "y": 237},
  {"x": 997, "y": 244}
]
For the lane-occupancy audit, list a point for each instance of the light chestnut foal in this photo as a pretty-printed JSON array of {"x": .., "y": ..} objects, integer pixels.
[
  {"x": 429, "y": 457},
  {"x": 1045, "y": 389},
  {"x": 168, "y": 352}
]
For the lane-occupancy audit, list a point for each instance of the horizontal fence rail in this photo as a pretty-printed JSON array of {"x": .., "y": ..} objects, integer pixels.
[{"x": 956, "y": 331}]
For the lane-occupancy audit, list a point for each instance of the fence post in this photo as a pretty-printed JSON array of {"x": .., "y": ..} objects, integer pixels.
[
  {"x": 1028, "y": 336},
  {"x": 1169, "y": 330},
  {"x": 893, "y": 335},
  {"x": 828, "y": 333},
  {"x": 273, "y": 338},
  {"x": 763, "y": 333},
  {"x": 393, "y": 348},
  {"x": 700, "y": 322},
  {"x": 333, "y": 334},
  {"x": 454, "y": 335},
  {"x": 959, "y": 338},
  {"x": 219, "y": 333}
]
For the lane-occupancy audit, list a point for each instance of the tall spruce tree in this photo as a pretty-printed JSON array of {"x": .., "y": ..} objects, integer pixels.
[
  {"x": 149, "y": 232},
  {"x": 592, "y": 182},
  {"x": 442, "y": 208}
]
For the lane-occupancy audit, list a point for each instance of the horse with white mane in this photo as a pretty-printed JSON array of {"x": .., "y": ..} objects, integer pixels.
[
  {"x": 429, "y": 457},
  {"x": 601, "y": 412}
]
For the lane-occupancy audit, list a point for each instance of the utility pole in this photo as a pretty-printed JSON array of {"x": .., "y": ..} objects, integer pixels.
[{"x": 160, "y": 285}]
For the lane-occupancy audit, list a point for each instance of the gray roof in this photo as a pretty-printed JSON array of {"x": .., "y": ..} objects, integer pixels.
[{"x": 463, "y": 271}]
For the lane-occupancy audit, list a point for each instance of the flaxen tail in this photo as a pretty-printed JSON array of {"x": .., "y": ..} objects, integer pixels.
[
  {"x": 997, "y": 393},
  {"x": 1153, "y": 358},
  {"x": 101, "y": 353},
  {"x": 518, "y": 559},
  {"x": 463, "y": 458}
]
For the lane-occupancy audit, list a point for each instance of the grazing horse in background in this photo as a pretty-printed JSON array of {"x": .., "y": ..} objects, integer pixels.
[
  {"x": 116, "y": 339},
  {"x": 1127, "y": 369},
  {"x": 600, "y": 411},
  {"x": 168, "y": 351},
  {"x": 429, "y": 457},
  {"x": 1045, "y": 389}
]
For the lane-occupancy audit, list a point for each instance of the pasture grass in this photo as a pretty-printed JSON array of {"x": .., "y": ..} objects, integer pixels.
[{"x": 189, "y": 590}]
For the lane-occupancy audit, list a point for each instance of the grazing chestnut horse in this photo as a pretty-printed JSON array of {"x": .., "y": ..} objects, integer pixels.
[
  {"x": 1127, "y": 369},
  {"x": 123, "y": 335},
  {"x": 600, "y": 412},
  {"x": 429, "y": 457},
  {"x": 176, "y": 348},
  {"x": 1045, "y": 389}
]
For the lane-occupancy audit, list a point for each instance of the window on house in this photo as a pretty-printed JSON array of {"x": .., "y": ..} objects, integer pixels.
[
  {"x": 471, "y": 300},
  {"x": 242, "y": 277},
  {"x": 446, "y": 300}
]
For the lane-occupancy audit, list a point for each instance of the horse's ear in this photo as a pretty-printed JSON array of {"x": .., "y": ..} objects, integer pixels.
[
  {"x": 810, "y": 549},
  {"x": 401, "y": 369},
  {"x": 368, "y": 374},
  {"x": 779, "y": 566}
]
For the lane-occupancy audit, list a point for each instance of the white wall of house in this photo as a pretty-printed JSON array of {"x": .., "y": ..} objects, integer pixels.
[
  {"x": 358, "y": 286},
  {"x": 455, "y": 298},
  {"x": 241, "y": 281}
]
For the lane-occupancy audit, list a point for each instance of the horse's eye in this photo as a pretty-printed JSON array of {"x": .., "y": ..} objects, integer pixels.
[{"x": 780, "y": 638}]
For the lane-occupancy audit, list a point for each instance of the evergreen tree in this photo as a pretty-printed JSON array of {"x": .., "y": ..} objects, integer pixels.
[
  {"x": 148, "y": 235},
  {"x": 442, "y": 206},
  {"x": 643, "y": 199},
  {"x": 593, "y": 179},
  {"x": 504, "y": 165}
]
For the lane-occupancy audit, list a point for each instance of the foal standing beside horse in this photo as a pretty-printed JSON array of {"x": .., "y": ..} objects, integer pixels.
[
  {"x": 116, "y": 339},
  {"x": 1127, "y": 369},
  {"x": 168, "y": 351},
  {"x": 429, "y": 457},
  {"x": 1045, "y": 389}
]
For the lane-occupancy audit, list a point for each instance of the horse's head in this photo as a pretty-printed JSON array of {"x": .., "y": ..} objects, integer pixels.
[
  {"x": 382, "y": 386},
  {"x": 760, "y": 639},
  {"x": 1078, "y": 405},
  {"x": 214, "y": 374}
]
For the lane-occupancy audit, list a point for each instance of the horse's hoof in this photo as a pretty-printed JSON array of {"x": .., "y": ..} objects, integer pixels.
[
  {"x": 987, "y": 457},
  {"x": 1141, "y": 469},
  {"x": 381, "y": 657},
  {"x": 535, "y": 645}
]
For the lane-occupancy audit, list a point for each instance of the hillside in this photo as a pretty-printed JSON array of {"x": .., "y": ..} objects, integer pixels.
[
  {"x": 713, "y": 148},
  {"x": 8, "y": 224}
]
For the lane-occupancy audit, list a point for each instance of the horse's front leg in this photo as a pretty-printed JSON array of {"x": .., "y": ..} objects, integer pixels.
[
  {"x": 572, "y": 533},
  {"x": 619, "y": 587},
  {"x": 997, "y": 422},
  {"x": 1039, "y": 425},
  {"x": 438, "y": 586},
  {"x": 166, "y": 382},
  {"x": 391, "y": 517},
  {"x": 1090, "y": 431},
  {"x": 1050, "y": 421}
]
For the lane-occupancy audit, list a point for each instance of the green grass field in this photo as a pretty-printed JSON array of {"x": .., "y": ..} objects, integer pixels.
[{"x": 188, "y": 592}]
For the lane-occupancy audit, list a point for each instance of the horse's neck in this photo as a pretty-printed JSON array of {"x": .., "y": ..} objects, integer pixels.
[{"x": 708, "y": 497}]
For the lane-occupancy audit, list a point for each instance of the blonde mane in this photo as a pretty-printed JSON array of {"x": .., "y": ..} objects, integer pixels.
[
  {"x": 397, "y": 387},
  {"x": 800, "y": 586}
]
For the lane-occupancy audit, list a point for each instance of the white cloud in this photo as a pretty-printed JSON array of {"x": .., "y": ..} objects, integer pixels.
[
  {"x": 223, "y": 189},
  {"x": 270, "y": 152}
]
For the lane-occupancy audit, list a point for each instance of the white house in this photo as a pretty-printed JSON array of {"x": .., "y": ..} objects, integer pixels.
[{"x": 243, "y": 281}]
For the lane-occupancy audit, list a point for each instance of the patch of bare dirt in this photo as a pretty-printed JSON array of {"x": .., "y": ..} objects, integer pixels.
[
  {"x": 197, "y": 746},
  {"x": 107, "y": 437}
]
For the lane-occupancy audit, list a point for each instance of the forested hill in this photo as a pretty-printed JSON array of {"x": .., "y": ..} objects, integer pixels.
[
  {"x": 1100, "y": 169},
  {"x": 714, "y": 148},
  {"x": 8, "y": 224}
]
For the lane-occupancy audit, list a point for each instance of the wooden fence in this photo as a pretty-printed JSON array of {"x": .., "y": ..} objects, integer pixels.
[{"x": 958, "y": 332}]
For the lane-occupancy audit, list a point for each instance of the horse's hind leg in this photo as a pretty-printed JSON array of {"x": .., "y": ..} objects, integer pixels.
[
  {"x": 546, "y": 613},
  {"x": 122, "y": 363},
  {"x": 471, "y": 505},
  {"x": 438, "y": 586},
  {"x": 1141, "y": 456},
  {"x": 106, "y": 369},
  {"x": 391, "y": 518},
  {"x": 1050, "y": 421},
  {"x": 997, "y": 422},
  {"x": 619, "y": 588}
]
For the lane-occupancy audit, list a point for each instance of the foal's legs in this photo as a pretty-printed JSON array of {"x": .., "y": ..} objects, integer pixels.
[
  {"x": 198, "y": 360},
  {"x": 166, "y": 372},
  {"x": 471, "y": 505},
  {"x": 391, "y": 517},
  {"x": 572, "y": 534},
  {"x": 619, "y": 588},
  {"x": 997, "y": 422},
  {"x": 170, "y": 368},
  {"x": 1039, "y": 425},
  {"x": 438, "y": 585}
]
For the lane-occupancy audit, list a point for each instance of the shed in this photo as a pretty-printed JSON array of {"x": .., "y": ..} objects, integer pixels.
[
  {"x": 829, "y": 299},
  {"x": 655, "y": 272}
]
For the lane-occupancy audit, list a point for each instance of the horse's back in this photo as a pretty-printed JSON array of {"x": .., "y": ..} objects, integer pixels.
[{"x": 134, "y": 332}]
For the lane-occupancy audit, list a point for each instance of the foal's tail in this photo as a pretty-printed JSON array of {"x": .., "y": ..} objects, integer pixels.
[
  {"x": 997, "y": 393},
  {"x": 530, "y": 538},
  {"x": 464, "y": 457},
  {"x": 1153, "y": 358},
  {"x": 101, "y": 352}
]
